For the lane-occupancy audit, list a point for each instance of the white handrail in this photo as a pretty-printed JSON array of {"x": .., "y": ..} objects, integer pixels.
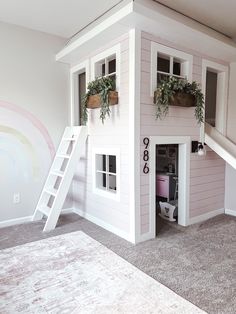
[{"x": 225, "y": 148}]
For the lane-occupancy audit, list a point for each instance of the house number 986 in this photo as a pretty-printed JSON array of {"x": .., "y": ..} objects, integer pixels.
[{"x": 146, "y": 155}]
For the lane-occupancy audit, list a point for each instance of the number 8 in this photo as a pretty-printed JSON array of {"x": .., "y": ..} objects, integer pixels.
[{"x": 145, "y": 155}]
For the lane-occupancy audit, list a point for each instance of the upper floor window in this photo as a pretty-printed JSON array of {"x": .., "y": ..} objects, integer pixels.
[
  {"x": 167, "y": 62},
  {"x": 107, "y": 63},
  {"x": 106, "y": 67},
  {"x": 169, "y": 66}
]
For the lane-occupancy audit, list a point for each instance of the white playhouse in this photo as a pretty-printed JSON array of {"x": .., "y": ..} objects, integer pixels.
[{"x": 132, "y": 163}]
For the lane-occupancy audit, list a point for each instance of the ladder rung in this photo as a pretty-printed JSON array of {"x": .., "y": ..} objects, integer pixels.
[
  {"x": 51, "y": 191},
  {"x": 68, "y": 139},
  {"x": 45, "y": 210},
  {"x": 64, "y": 156},
  {"x": 57, "y": 173}
]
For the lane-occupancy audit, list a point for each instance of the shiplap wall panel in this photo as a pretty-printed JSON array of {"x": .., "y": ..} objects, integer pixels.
[
  {"x": 206, "y": 172},
  {"x": 206, "y": 194},
  {"x": 197, "y": 189},
  {"x": 114, "y": 133}
]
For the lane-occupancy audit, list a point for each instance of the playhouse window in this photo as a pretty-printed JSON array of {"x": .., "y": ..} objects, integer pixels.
[
  {"x": 106, "y": 173},
  {"x": 169, "y": 66},
  {"x": 107, "y": 64},
  {"x": 106, "y": 67},
  {"x": 166, "y": 62}
]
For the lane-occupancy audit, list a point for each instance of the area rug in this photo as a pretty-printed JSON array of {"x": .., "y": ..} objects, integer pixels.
[{"x": 73, "y": 273}]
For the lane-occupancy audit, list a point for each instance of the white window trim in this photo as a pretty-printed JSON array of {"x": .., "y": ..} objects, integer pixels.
[
  {"x": 222, "y": 93},
  {"x": 74, "y": 71},
  {"x": 103, "y": 193},
  {"x": 115, "y": 50},
  {"x": 155, "y": 48}
]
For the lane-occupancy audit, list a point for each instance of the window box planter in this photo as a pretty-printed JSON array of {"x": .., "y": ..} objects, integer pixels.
[
  {"x": 179, "y": 92},
  {"x": 183, "y": 100},
  {"x": 94, "y": 101},
  {"x": 180, "y": 99},
  {"x": 101, "y": 93}
]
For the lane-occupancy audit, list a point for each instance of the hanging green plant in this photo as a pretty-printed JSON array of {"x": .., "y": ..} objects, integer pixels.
[
  {"x": 179, "y": 92},
  {"x": 100, "y": 93}
]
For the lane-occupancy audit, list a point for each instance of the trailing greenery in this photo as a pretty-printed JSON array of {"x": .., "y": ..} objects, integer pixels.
[
  {"x": 101, "y": 86},
  {"x": 168, "y": 88}
]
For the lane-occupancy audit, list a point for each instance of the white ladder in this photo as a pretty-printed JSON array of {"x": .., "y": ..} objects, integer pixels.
[{"x": 60, "y": 176}]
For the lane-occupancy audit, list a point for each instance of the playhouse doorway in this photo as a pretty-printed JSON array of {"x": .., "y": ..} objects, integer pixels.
[
  {"x": 169, "y": 181},
  {"x": 79, "y": 92},
  {"x": 79, "y": 81},
  {"x": 167, "y": 162},
  {"x": 210, "y": 97}
]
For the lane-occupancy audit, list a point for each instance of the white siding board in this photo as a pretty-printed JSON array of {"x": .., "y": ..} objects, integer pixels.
[
  {"x": 145, "y": 210},
  {"x": 196, "y": 164},
  {"x": 207, "y": 179},
  {"x": 206, "y": 194},
  {"x": 145, "y": 219},
  {"x": 196, "y": 189},
  {"x": 145, "y": 66},
  {"x": 205, "y": 209},
  {"x": 144, "y": 228},
  {"x": 201, "y": 172},
  {"x": 205, "y": 202}
]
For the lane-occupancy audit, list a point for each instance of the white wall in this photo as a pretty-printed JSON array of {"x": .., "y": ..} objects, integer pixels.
[
  {"x": 230, "y": 175},
  {"x": 34, "y": 99}
]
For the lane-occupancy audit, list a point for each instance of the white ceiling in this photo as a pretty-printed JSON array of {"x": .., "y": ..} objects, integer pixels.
[
  {"x": 59, "y": 17},
  {"x": 218, "y": 14},
  {"x": 65, "y": 17}
]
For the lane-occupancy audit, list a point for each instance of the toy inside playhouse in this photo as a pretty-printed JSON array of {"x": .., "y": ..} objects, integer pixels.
[{"x": 167, "y": 183}]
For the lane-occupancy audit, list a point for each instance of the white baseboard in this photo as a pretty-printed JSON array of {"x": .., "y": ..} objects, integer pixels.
[
  {"x": 230, "y": 212},
  {"x": 21, "y": 220},
  {"x": 206, "y": 216},
  {"x": 15, "y": 221},
  {"x": 103, "y": 224}
]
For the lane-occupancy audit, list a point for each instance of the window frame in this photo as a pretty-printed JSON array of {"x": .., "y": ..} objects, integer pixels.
[
  {"x": 104, "y": 55},
  {"x": 172, "y": 53},
  {"x": 106, "y": 63},
  {"x": 106, "y": 192}
]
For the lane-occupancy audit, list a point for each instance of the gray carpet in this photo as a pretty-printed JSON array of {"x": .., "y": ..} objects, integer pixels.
[
  {"x": 197, "y": 262},
  {"x": 75, "y": 274}
]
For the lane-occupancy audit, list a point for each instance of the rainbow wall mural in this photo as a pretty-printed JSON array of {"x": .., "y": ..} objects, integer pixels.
[
  {"x": 24, "y": 142},
  {"x": 26, "y": 153}
]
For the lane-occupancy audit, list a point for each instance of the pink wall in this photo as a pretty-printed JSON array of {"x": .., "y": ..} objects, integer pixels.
[
  {"x": 207, "y": 183},
  {"x": 206, "y": 172}
]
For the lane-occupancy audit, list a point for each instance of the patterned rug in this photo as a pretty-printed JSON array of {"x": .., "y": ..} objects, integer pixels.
[{"x": 73, "y": 273}]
